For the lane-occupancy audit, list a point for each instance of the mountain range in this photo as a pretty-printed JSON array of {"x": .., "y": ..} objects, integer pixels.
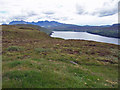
[
  {"x": 105, "y": 30},
  {"x": 62, "y": 26}
]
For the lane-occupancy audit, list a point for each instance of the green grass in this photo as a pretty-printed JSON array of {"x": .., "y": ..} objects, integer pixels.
[
  {"x": 40, "y": 50},
  {"x": 14, "y": 48},
  {"x": 32, "y": 59}
]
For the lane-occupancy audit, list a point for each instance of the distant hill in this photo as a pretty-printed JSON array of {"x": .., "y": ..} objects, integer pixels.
[
  {"x": 26, "y": 24},
  {"x": 62, "y": 26},
  {"x": 48, "y": 31},
  {"x": 17, "y": 22},
  {"x": 49, "y": 24},
  {"x": 46, "y": 24},
  {"x": 105, "y": 30}
]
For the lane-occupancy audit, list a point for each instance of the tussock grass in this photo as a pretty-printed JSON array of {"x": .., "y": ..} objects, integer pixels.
[
  {"x": 14, "y": 48},
  {"x": 40, "y": 50}
]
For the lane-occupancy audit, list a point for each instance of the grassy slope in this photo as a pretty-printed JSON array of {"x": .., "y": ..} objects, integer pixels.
[
  {"x": 30, "y": 26},
  {"x": 33, "y": 59},
  {"x": 107, "y": 33}
]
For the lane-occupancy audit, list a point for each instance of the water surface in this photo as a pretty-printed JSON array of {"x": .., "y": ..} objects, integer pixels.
[{"x": 84, "y": 36}]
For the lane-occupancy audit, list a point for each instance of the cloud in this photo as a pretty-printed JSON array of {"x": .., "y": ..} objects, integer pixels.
[
  {"x": 80, "y": 9},
  {"x": 80, "y": 12},
  {"x": 107, "y": 13},
  {"x": 106, "y": 8},
  {"x": 48, "y": 12}
]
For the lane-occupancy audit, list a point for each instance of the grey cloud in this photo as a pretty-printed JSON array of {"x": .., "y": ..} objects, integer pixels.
[
  {"x": 107, "y": 13},
  {"x": 30, "y": 14},
  {"x": 104, "y": 12},
  {"x": 49, "y": 12},
  {"x": 61, "y": 18},
  {"x": 24, "y": 16},
  {"x": 108, "y": 9},
  {"x": 19, "y": 17},
  {"x": 80, "y": 9},
  {"x": 57, "y": 18}
]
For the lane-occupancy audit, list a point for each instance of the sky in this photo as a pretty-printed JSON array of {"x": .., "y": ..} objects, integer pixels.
[{"x": 79, "y": 12}]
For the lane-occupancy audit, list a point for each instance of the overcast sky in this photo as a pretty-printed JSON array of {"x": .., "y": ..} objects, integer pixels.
[{"x": 80, "y": 12}]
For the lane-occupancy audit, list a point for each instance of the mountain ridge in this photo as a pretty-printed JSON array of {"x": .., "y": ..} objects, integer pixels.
[
  {"x": 104, "y": 30},
  {"x": 47, "y": 24},
  {"x": 46, "y": 21}
]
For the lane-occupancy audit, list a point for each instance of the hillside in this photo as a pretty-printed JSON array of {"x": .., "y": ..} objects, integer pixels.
[
  {"x": 110, "y": 31},
  {"x": 32, "y": 59},
  {"x": 32, "y": 27},
  {"x": 106, "y": 30},
  {"x": 47, "y": 31}
]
